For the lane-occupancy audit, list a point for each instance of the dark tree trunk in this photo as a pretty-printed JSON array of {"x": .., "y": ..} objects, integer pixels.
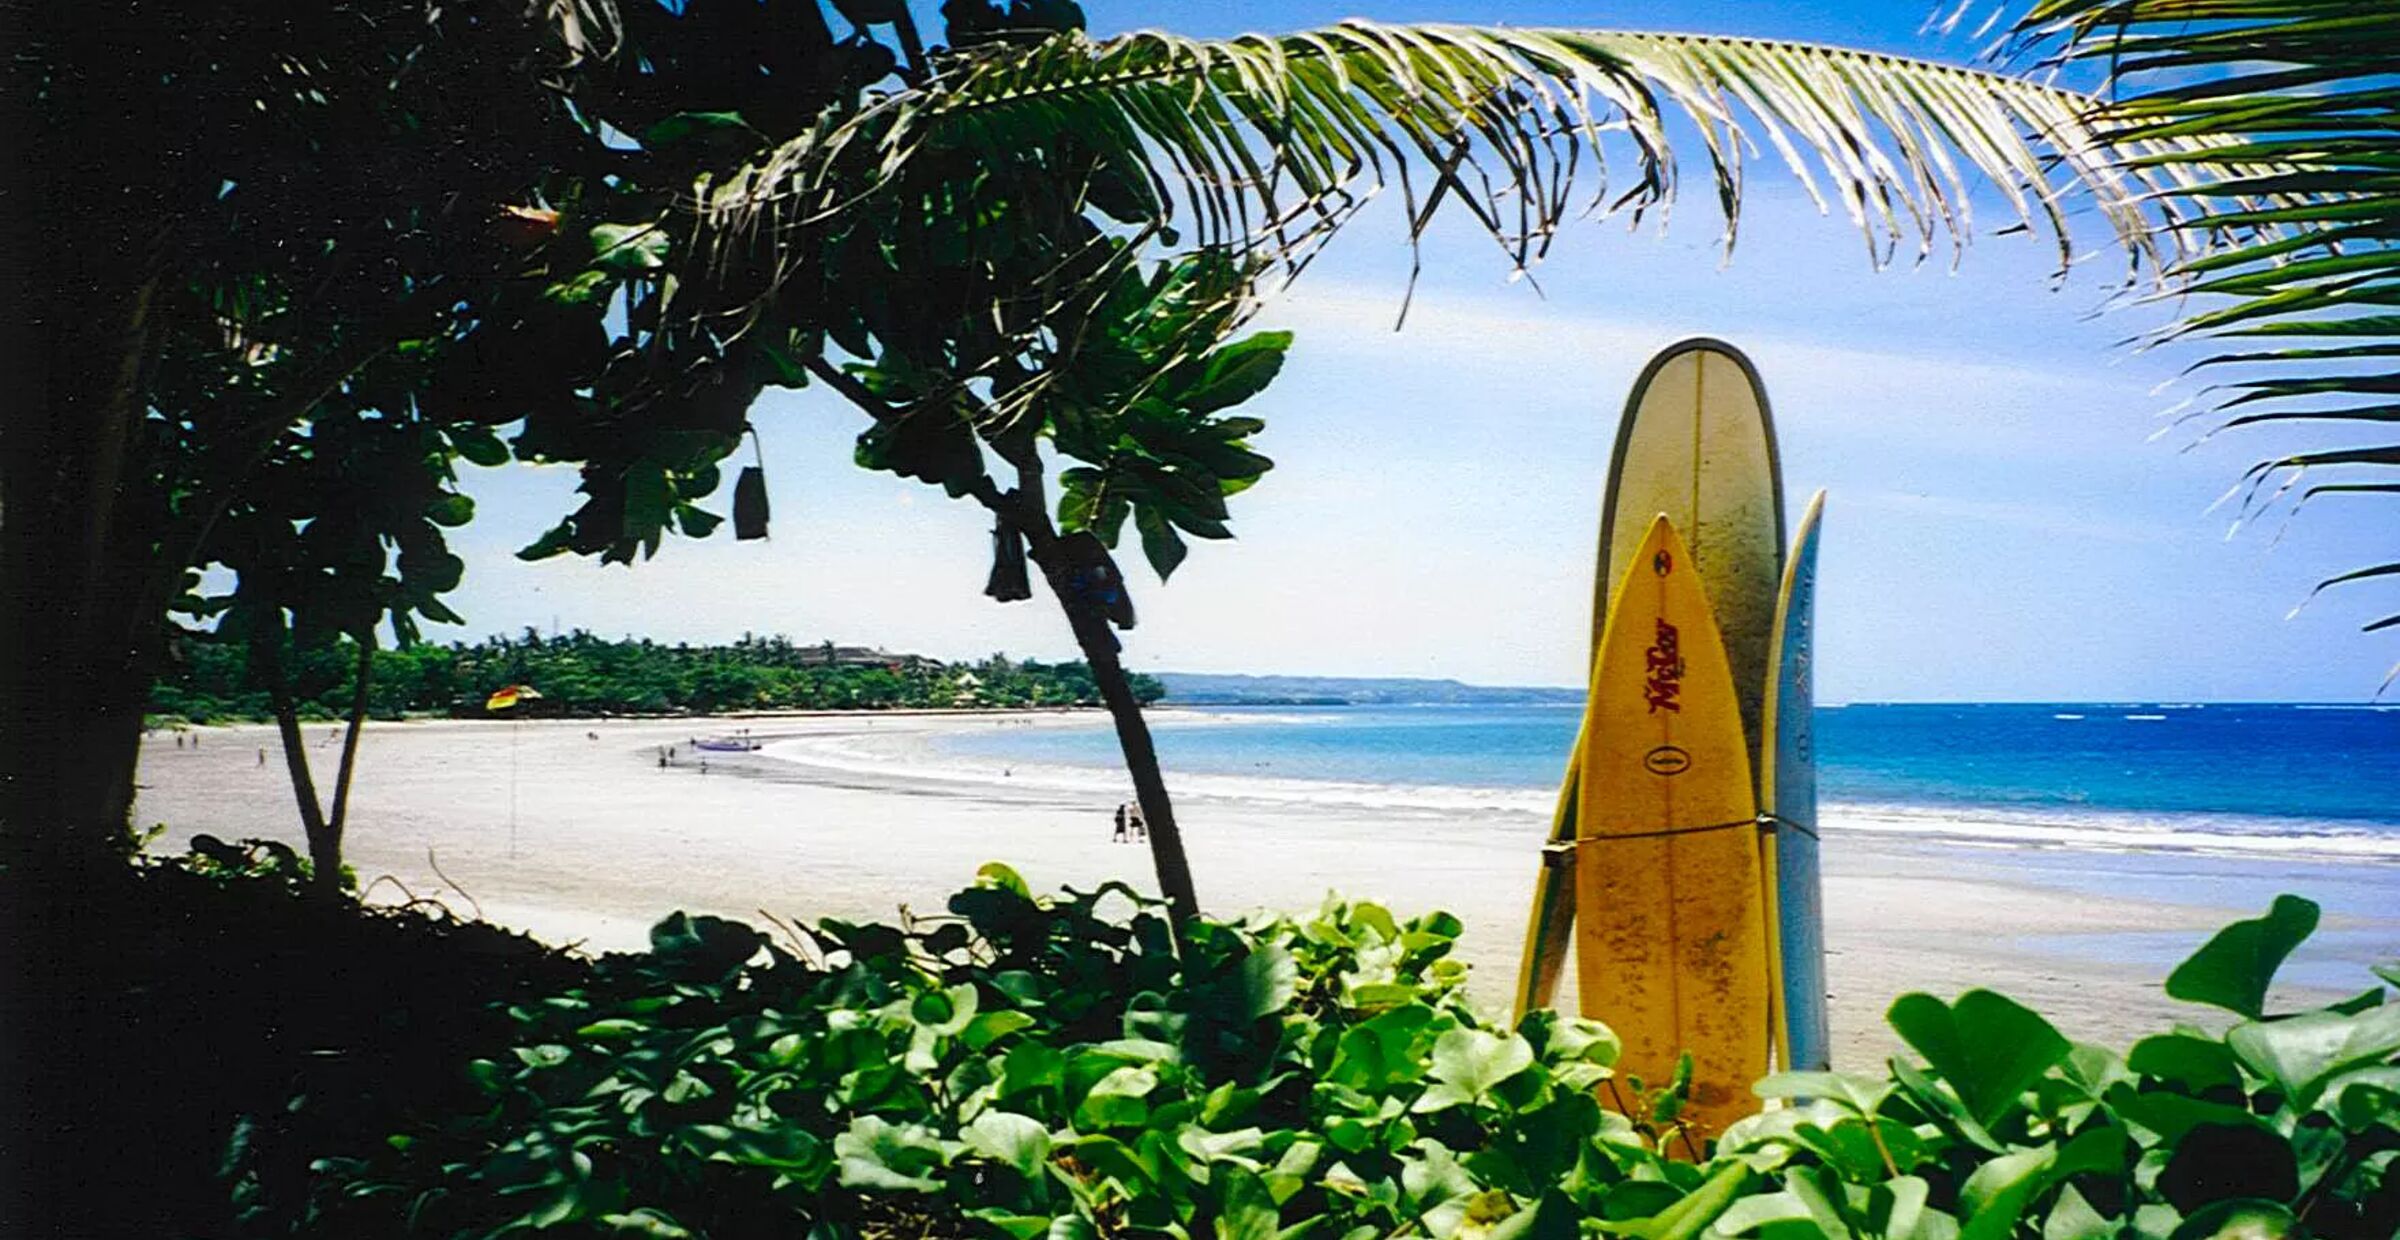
[
  {"x": 328, "y": 861},
  {"x": 266, "y": 662},
  {"x": 1026, "y": 509},
  {"x": 82, "y": 610},
  {"x": 1141, "y": 759}
]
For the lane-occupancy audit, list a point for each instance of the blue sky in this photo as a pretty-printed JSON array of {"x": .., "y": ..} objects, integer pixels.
[{"x": 2001, "y": 523}]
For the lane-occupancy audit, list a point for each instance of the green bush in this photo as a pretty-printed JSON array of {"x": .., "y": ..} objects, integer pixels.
[{"x": 1045, "y": 1067}]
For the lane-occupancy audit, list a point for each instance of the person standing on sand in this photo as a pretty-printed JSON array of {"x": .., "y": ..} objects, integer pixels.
[
  {"x": 1141, "y": 826},
  {"x": 1119, "y": 836}
]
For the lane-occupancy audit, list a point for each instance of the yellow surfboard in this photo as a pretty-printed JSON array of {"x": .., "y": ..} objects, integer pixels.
[
  {"x": 1671, "y": 932},
  {"x": 1696, "y": 443}
]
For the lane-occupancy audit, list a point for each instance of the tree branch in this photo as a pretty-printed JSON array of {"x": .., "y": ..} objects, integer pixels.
[{"x": 854, "y": 391}]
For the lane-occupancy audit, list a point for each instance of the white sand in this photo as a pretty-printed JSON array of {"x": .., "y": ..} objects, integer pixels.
[{"x": 851, "y": 820}]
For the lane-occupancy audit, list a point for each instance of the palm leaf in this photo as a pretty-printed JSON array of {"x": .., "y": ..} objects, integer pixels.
[
  {"x": 2297, "y": 117},
  {"x": 1263, "y": 147},
  {"x": 1266, "y": 144}
]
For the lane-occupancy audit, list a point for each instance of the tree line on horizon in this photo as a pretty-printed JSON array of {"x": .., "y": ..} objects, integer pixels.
[{"x": 579, "y": 673}]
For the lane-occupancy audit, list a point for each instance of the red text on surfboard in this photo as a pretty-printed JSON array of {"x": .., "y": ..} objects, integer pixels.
[{"x": 1665, "y": 682}]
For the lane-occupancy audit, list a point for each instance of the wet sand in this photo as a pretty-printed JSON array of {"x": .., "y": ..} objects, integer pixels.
[{"x": 581, "y": 840}]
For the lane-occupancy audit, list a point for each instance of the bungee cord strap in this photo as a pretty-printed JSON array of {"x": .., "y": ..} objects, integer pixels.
[{"x": 1557, "y": 852}]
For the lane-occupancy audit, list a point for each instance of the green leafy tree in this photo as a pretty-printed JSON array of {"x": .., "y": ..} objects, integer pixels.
[
  {"x": 313, "y": 571},
  {"x": 239, "y": 222}
]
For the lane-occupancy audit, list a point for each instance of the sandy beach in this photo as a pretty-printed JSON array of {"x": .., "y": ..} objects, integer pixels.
[{"x": 571, "y": 830}]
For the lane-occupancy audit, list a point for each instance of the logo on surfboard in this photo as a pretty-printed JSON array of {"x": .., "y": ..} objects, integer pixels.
[
  {"x": 1667, "y": 760},
  {"x": 1664, "y": 684}
]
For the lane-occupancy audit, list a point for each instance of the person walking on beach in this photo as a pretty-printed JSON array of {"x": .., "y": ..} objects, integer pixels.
[
  {"x": 1119, "y": 836},
  {"x": 1141, "y": 827}
]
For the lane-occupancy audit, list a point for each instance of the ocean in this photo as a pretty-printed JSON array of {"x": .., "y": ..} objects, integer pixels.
[
  {"x": 2290, "y": 780},
  {"x": 2220, "y": 805}
]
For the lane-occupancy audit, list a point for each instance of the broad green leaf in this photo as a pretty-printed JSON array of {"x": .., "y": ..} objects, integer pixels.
[
  {"x": 2299, "y": 1054},
  {"x": 1161, "y": 545},
  {"x": 623, "y": 248},
  {"x": 476, "y": 443},
  {"x": 648, "y": 496},
  {"x": 1030, "y": 1066},
  {"x": 1014, "y": 1226},
  {"x": 1990, "y": 1048},
  {"x": 1857, "y": 1094},
  {"x": 1575, "y": 1039},
  {"x": 2194, "y": 1063},
  {"x": 1995, "y": 1196},
  {"x": 1268, "y": 980},
  {"x": 990, "y": 1027},
  {"x": 2240, "y": 1220},
  {"x": 996, "y": 874},
  {"x": 2365, "y": 1099},
  {"x": 1467, "y": 1063},
  {"x": 450, "y": 510},
  {"x": 1379, "y": 1053},
  {"x": 1896, "y": 1207},
  {"x": 1003, "y": 1136},
  {"x": 2170, "y": 1114},
  {"x": 1117, "y": 1100},
  {"x": 1751, "y": 1213},
  {"x": 946, "y": 1012},
  {"x": 2073, "y": 1218},
  {"x": 1246, "y": 1210},
  {"x": 878, "y": 1154},
  {"x": 1239, "y": 371},
  {"x": 2235, "y": 967}
]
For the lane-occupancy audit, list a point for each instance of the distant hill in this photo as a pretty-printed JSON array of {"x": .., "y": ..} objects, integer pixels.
[{"x": 1209, "y": 689}]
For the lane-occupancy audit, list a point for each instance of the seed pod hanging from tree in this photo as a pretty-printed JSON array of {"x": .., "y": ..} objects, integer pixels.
[{"x": 1008, "y": 582}]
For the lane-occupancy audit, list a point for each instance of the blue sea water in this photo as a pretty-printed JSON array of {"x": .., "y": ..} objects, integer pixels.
[
  {"x": 2262, "y": 770},
  {"x": 2214, "y": 805}
]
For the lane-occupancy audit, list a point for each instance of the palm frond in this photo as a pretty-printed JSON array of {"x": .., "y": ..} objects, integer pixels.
[
  {"x": 1266, "y": 144},
  {"x": 2295, "y": 109}
]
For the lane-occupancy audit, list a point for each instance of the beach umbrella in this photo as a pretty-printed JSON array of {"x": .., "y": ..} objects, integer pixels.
[{"x": 507, "y": 698}]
